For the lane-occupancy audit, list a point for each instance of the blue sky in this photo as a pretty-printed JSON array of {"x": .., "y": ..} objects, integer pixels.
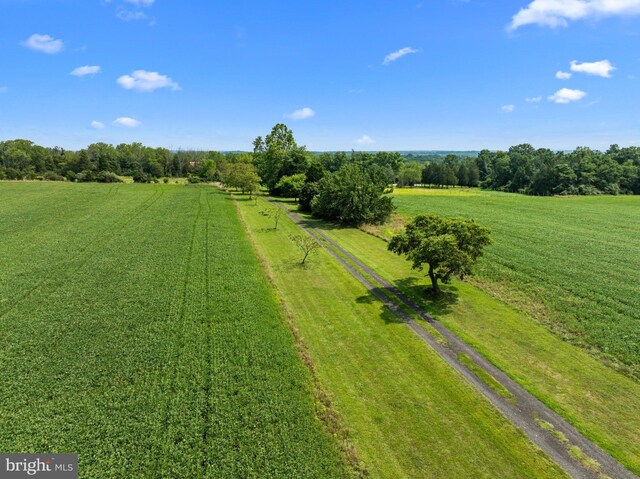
[{"x": 368, "y": 75}]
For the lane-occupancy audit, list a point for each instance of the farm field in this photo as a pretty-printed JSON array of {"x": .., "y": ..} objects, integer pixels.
[
  {"x": 137, "y": 328},
  {"x": 573, "y": 263},
  {"x": 409, "y": 414},
  {"x": 602, "y": 403}
]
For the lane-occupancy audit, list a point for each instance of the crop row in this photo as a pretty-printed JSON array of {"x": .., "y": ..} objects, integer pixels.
[
  {"x": 578, "y": 256},
  {"x": 141, "y": 333}
]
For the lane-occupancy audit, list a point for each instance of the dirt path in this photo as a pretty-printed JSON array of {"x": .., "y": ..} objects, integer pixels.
[{"x": 522, "y": 409}]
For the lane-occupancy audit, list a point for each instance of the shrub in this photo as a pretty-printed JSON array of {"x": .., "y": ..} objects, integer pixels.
[
  {"x": 53, "y": 176},
  {"x": 107, "y": 177},
  {"x": 140, "y": 177}
]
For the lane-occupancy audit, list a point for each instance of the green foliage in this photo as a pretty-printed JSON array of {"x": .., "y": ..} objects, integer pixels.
[
  {"x": 20, "y": 159},
  {"x": 278, "y": 156},
  {"x": 448, "y": 246},
  {"x": 523, "y": 169},
  {"x": 291, "y": 186},
  {"x": 207, "y": 170},
  {"x": 138, "y": 329},
  {"x": 410, "y": 174},
  {"x": 307, "y": 194},
  {"x": 242, "y": 176},
  {"x": 353, "y": 195}
]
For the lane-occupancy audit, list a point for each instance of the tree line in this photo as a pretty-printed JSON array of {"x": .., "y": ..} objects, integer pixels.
[
  {"x": 285, "y": 168},
  {"x": 102, "y": 162},
  {"x": 524, "y": 169}
]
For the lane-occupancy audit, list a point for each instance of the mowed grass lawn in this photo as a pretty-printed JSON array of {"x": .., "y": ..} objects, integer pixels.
[
  {"x": 137, "y": 328},
  {"x": 578, "y": 258},
  {"x": 601, "y": 402},
  {"x": 409, "y": 414}
]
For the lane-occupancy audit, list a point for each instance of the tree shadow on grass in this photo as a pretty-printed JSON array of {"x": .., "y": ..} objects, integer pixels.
[
  {"x": 435, "y": 304},
  {"x": 284, "y": 201},
  {"x": 388, "y": 316},
  {"x": 310, "y": 222}
]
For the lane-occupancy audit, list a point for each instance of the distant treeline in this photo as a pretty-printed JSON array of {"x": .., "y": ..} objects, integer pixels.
[
  {"x": 542, "y": 172},
  {"x": 22, "y": 159},
  {"x": 521, "y": 169},
  {"x": 435, "y": 156},
  {"x": 524, "y": 169}
]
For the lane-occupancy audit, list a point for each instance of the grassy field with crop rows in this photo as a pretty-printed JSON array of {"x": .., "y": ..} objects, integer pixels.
[
  {"x": 571, "y": 262},
  {"x": 137, "y": 328}
]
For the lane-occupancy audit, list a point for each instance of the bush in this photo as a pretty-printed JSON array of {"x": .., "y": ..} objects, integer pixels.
[
  {"x": 53, "y": 176},
  {"x": 140, "y": 177},
  {"x": 194, "y": 179},
  {"x": 85, "y": 175},
  {"x": 107, "y": 177},
  {"x": 71, "y": 175},
  {"x": 165, "y": 180}
]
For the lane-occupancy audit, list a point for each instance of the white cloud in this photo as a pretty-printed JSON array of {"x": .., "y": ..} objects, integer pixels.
[
  {"x": 533, "y": 99},
  {"x": 566, "y": 95},
  {"x": 43, "y": 43},
  {"x": 603, "y": 68},
  {"x": 558, "y": 13},
  {"x": 301, "y": 114},
  {"x": 365, "y": 140},
  {"x": 141, "y": 3},
  {"x": 142, "y": 80},
  {"x": 508, "y": 108},
  {"x": 99, "y": 125},
  {"x": 560, "y": 75},
  {"x": 85, "y": 70},
  {"x": 392, "y": 57},
  {"x": 127, "y": 122},
  {"x": 129, "y": 15}
]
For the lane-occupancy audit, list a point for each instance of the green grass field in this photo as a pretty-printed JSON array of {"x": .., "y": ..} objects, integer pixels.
[
  {"x": 137, "y": 328},
  {"x": 571, "y": 262},
  {"x": 602, "y": 403},
  {"x": 409, "y": 414}
]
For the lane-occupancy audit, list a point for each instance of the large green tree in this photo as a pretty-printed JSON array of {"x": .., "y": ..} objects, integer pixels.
[
  {"x": 279, "y": 155},
  {"x": 446, "y": 246},
  {"x": 242, "y": 176},
  {"x": 355, "y": 194}
]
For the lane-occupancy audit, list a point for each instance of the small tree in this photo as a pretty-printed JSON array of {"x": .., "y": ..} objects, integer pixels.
[
  {"x": 276, "y": 213},
  {"x": 449, "y": 246},
  {"x": 307, "y": 244}
]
